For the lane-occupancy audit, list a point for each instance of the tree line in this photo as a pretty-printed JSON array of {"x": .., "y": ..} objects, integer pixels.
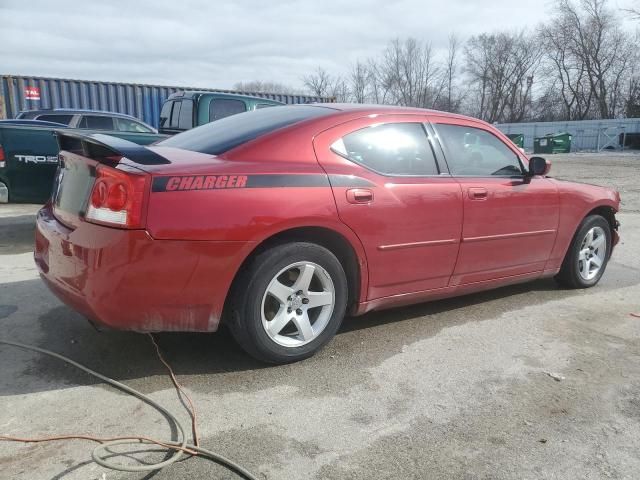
[{"x": 580, "y": 64}]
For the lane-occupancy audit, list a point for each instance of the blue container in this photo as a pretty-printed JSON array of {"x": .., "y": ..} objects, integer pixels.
[{"x": 18, "y": 93}]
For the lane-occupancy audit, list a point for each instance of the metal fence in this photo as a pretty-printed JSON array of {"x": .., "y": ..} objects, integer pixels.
[
  {"x": 587, "y": 135},
  {"x": 19, "y": 93}
]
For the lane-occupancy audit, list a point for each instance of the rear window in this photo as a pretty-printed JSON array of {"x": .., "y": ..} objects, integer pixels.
[
  {"x": 218, "y": 137},
  {"x": 96, "y": 122},
  {"x": 165, "y": 114},
  {"x": 225, "y": 107},
  {"x": 66, "y": 119}
]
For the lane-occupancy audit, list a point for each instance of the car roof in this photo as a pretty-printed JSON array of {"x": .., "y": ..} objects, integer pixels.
[
  {"x": 372, "y": 109},
  {"x": 72, "y": 111},
  {"x": 193, "y": 93}
]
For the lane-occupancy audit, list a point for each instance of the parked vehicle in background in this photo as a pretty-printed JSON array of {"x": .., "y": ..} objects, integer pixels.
[
  {"x": 29, "y": 157},
  {"x": 89, "y": 120},
  {"x": 32, "y": 123},
  {"x": 280, "y": 221},
  {"x": 185, "y": 110}
]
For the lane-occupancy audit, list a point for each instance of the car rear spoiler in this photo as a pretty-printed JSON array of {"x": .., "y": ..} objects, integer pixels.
[{"x": 106, "y": 148}]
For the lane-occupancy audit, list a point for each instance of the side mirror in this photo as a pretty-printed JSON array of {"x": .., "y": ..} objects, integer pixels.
[{"x": 539, "y": 166}]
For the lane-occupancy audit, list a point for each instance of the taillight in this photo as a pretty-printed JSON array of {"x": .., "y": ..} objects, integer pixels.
[
  {"x": 117, "y": 198},
  {"x": 2, "y": 158}
]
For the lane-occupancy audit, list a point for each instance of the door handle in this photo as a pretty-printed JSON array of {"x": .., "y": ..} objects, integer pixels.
[
  {"x": 478, "y": 193},
  {"x": 359, "y": 195}
]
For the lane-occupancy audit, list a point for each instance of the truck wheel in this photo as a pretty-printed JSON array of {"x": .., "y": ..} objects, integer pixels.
[
  {"x": 4, "y": 193},
  {"x": 289, "y": 302},
  {"x": 588, "y": 254}
]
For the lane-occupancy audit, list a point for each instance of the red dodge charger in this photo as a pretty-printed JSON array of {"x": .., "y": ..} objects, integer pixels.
[{"x": 279, "y": 222}]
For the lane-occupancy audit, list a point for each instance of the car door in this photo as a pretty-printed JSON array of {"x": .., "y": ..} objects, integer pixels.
[
  {"x": 403, "y": 206},
  {"x": 510, "y": 219}
]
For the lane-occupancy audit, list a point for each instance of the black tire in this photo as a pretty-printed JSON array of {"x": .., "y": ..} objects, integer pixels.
[
  {"x": 245, "y": 321},
  {"x": 569, "y": 275}
]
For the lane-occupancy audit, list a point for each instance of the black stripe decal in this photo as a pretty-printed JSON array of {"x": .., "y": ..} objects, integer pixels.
[
  {"x": 349, "y": 181},
  {"x": 279, "y": 181},
  {"x": 181, "y": 183}
]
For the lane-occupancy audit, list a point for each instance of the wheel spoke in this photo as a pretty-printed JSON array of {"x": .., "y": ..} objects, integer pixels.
[
  {"x": 303, "y": 324},
  {"x": 587, "y": 266},
  {"x": 280, "y": 291},
  {"x": 598, "y": 242},
  {"x": 304, "y": 279},
  {"x": 588, "y": 240},
  {"x": 596, "y": 261},
  {"x": 276, "y": 325},
  {"x": 583, "y": 255},
  {"x": 319, "y": 299}
]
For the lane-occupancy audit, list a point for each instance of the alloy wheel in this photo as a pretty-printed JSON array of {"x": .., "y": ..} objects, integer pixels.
[
  {"x": 297, "y": 304},
  {"x": 592, "y": 253}
]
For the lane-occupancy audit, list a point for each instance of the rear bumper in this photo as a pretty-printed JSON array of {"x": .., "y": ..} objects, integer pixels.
[{"x": 126, "y": 280}]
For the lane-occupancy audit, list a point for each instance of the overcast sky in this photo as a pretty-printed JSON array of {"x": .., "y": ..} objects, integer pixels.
[{"x": 218, "y": 43}]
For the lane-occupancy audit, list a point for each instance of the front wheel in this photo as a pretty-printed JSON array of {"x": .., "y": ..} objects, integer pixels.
[
  {"x": 289, "y": 302},
  {"x": 588, "y": 254}
]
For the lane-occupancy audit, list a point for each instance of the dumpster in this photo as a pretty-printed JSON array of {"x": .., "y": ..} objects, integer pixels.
[
  {"x": 552, "y": 143},
  {"x": 517, "y": 138}
]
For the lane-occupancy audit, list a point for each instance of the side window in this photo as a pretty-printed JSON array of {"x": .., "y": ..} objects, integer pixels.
[
  {"x": 476, "y": 152},
  {"x": 95, "y": 122},
  {"x": 186, "y": 115},
  {"x": 66, "y": 119},
  {"x": 127, "y": 125},
  {"x": 175, "y": 115},
  {"x": 225, "y": 107},
  {"x": 390, "y": 149},
  {"x": 165, "y": 113}
]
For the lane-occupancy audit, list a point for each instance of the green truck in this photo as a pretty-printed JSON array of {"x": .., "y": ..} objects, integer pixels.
[
  {"x": 29, "y": 157},
  {"x": 189, "y": 109}
]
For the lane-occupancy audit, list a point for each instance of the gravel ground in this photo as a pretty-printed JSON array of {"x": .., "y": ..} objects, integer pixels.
[{"x": 524, "y": 382}]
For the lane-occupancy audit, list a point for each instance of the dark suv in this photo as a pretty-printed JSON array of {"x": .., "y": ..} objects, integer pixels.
[{"x": 89, "y": 119}]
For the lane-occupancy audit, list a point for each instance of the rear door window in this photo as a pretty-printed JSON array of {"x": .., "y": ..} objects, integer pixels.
[
  {"x": 127, "y": 125},
  {"x": 185, "y": 121},
  {"x": 175, "y": 115},
  {"x": 225, "y": 107},
  {"x": 65, "y": 119},
  {"x": 165, "y": 114},
  {"x": 397, "y": 149},
  {"x": 96, "y": 122}
]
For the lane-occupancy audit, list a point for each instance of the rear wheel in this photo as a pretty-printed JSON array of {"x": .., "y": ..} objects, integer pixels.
[
  {"x": 289, "y": 302},
  {"x": 588, "y": 254},
  {"x": 4, "y": 193}
]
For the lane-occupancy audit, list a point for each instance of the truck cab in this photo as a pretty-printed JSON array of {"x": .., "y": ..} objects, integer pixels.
[{"x": 185, "y": 110}]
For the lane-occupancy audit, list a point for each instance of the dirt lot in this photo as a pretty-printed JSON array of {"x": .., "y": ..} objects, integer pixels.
[{"x": 452, "y": 389}]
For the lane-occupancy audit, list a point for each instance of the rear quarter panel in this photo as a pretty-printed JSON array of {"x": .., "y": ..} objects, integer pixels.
[{"x": 249, "y": 214}]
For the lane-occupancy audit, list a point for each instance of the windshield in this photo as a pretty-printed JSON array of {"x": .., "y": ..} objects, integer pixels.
[{"x": 222, "y": 135}]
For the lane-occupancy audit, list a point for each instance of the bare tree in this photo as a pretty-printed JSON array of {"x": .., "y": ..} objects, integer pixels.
[
  {"x": 500, "y": 68},
  {"x": 633, "y": 12},
  {"x": 359, "y": 80},
  {"x": 258, "y": 86},
  {"x": 451, "y": 104},
  {"x": 411, "y": 73},
  {"x": 323, "y": 84},
  {"x": 318, "y": 83},
  {"x": 592, "y": 56}
]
